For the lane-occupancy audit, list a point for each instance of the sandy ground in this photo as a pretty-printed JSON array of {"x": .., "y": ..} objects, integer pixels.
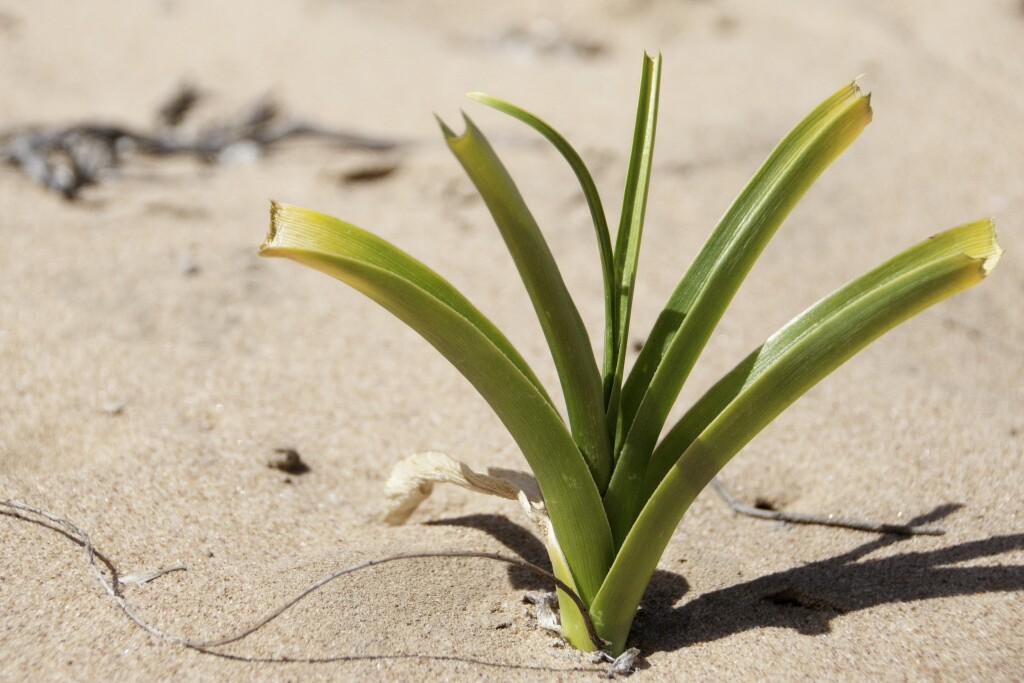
[{"x": 150, "y": 363}]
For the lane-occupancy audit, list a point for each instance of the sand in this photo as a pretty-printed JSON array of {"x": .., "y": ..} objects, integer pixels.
[{"x": 151, "y": 363}]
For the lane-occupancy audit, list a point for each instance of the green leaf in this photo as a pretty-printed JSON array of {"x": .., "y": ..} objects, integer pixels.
[
  {"x": 975, "y": 240},
  {"x": 424, "y": 301},
  {"x": 700, "y": 299},
  {"x": 597, "y": 215},
  {"x": 563, "y": 327},
  {"x": 631, "y": 223},
  {"x": 767, "y": 382}
]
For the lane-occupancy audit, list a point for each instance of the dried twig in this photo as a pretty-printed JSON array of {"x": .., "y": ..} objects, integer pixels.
[
  {"x": 822, "y": 520},
  {"x": 178, "y": 106},
  {"x": 112, "y": 583},
  {"x": 68, "y": 158},
  {"x": 594, "y": 638},
  {"x": 139, "y": 578}
]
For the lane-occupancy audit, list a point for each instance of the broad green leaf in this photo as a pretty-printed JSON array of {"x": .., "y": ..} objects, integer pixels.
[
  {"x": 766, "y": 383},
  {"x": 708, "y": 287},
  {"x": 563, "y": 327},
  {"x": 597, "y": 215},
  {"x": 970, "y": 239},
  {"x": 302, "y": 228},
  {"x": 631, "y": 222},
  {"x": 429, "y": 305}
]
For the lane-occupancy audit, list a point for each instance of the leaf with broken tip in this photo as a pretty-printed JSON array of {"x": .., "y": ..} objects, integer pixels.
[
  {"x": 425, "y": 302},
  {"x": 792, "y": 361}
]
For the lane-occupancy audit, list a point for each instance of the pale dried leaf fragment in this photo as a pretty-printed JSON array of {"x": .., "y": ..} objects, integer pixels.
[
  {"x": 139, "y": 578},
  {"x": 412, "y": 481},
  {"x": 545, "y": 606},
  {"x": 623, "y": 664}
]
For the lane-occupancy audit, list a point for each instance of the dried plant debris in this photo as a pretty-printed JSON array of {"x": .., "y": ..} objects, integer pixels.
[
  {"x": 112, "y": 581},
  {"x": 368, "y": 170},
  {"x": 545, "y": 606},
  {"x": 766, "y": 509},
  {"x": 68, "y": 158},
  {"x": 623, "y": 664},
  {"x": 177, "y": 107},
  {"x": 139, "y": 578},
  {"x": 413, "y": 478}
]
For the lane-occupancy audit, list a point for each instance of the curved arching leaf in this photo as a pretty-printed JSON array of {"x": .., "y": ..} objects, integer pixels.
[
  {"x": 767, "y": 382},
  {"x": 559, "y": 318},
  {"x": 425, "y": 302},
  {"x": 597, "y": 216}
]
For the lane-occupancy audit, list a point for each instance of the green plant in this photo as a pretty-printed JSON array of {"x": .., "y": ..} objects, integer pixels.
[{"x": 615, "y": 483}]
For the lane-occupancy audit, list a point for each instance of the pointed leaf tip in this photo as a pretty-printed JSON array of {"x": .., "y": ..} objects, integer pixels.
[
  {"x": 451, "y": 136},
  {"x": 448, "y": 132}
]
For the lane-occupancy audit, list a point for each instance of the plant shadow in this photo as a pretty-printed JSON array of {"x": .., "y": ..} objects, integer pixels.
[
  {"x": 666, "y": 587},
  {"x": 807, "y": 598}
]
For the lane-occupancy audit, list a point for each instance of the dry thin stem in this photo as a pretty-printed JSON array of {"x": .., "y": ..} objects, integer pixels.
[
  {"x": 822, "y": 520},
  {"x": 111, "y": 584},
  {"x": 598, "y": 642}
]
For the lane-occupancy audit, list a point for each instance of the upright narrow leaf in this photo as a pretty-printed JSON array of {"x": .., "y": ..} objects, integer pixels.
[
  {"x": 563, "y": 327},
  {"x": 708, "y": 287},
  {"x": 597, "y": 215},
  {"x": 631, "y": 223}
]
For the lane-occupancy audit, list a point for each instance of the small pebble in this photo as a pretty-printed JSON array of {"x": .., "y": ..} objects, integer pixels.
[
  {"x": 113, "y": 407},
  {"x": 288, "y": 460}
]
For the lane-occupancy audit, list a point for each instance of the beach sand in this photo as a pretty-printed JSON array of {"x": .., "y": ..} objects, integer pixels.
[{"x": 151, "y": 363}]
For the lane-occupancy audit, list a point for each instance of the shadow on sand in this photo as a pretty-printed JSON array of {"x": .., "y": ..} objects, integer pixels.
[{"x": 805, "y": 599}]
